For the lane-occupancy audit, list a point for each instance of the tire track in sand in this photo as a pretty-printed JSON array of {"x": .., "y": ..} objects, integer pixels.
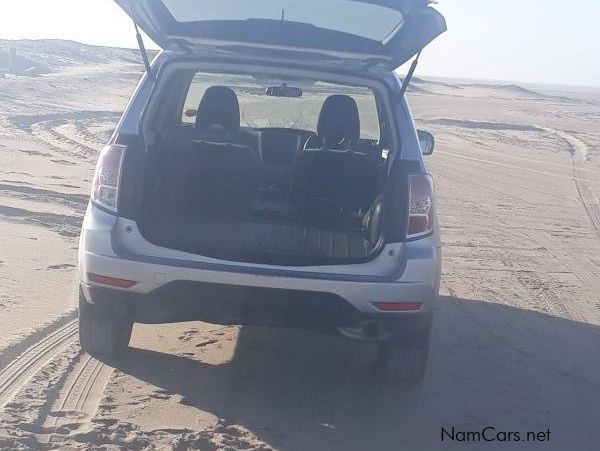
[
  {"x": 66, "y": 406},
  {"x": 48, "y": 133},
  {"x": 579, "y": 151},
  {"x": 78, "y": 399},
  {"x": 16, "y": 374}
]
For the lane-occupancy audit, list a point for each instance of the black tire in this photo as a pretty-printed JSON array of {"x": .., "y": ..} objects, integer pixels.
[
  {"x": 99, "y": 335},
  {"x": 399, "y": 363},
  {"x": 404, "y": 358}
]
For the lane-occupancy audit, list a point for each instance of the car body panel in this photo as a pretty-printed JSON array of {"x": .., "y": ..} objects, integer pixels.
[
  {"x": 102, "y": 253},
  {"x": 366, "y": 32}
]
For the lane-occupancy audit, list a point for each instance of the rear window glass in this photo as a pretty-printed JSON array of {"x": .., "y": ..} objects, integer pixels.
[
  {"x": 366, "y": 20},
  {"x": 257, "y": 110}
]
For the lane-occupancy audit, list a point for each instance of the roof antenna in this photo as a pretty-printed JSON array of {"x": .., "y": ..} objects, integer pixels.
[
  {"x": 409, "y": 76},
  {"x": 283, "y": 14}
]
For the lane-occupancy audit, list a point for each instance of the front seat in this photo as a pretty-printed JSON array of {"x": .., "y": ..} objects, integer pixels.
[
  {"x": 330, "y": 167},
  {"x": 338, "y": 126},
  {"x": 218, "y": 112},
  {"x": 217, "y": 169}
]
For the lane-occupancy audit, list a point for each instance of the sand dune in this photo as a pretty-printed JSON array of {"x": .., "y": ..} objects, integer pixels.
[
  {"x": 463, "y": 88},
  {"x": 56, "y": 55},
  {"x": 482, "y": 125}
]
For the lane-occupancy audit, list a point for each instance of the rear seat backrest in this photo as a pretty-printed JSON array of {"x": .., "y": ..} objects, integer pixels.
[
  {"x": 347, "y": 176},
  {"x": 216, "y": 170},
  {"x": 329, "y": 167},
  {"x": 217, "y": 176},
  {"x": 277, "y": 152}
]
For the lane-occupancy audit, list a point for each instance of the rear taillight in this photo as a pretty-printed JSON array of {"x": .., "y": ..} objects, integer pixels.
[
  {"x": 105, "y": 187},
  {"x": 420, "y": 210}
]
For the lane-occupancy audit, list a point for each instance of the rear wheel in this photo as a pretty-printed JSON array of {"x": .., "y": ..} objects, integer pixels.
[
  {"x": 403, "y": 364},
  {"x": 101, "y": 335},
  {"x": 404, "y": 358}
]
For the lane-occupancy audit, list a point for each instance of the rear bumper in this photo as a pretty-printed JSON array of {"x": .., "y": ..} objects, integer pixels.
[
  {"x": 234, "y": 305},
  {"x": 179, "y": 290}
]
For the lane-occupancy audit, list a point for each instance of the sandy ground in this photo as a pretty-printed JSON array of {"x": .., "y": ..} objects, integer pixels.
[{"x": 516, "y": 335}]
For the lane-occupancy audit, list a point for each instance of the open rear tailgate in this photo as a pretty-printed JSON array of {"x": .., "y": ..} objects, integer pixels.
[{"x": 385, "y": 32}]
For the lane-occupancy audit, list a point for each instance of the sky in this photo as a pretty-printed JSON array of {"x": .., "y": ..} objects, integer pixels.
[{"x": 550, "y": 41}]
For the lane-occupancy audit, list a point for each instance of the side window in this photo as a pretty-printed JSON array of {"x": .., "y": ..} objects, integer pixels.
[
  {"x": 195, "y": 92},
  {"x": 369, "y": 118}
]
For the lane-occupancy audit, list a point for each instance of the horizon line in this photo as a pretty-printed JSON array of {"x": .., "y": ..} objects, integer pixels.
[{"x": 485, "y": 80}]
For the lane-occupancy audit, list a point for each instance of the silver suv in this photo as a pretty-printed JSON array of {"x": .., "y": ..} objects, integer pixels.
[{"x": 267, "y": 172}]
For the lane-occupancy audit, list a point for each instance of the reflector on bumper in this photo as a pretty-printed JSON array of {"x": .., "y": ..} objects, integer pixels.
[
  {"x": 110, "y": 281},
  {"x": 399, "y": 306}
]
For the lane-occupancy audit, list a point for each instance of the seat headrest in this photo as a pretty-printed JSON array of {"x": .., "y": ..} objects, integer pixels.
[
  {"x": 219, "y": 107},
  {"x": 339, "y": 120}
]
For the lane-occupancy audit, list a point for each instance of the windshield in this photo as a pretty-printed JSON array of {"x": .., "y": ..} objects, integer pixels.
[
  {"x": 257, "y": 110},
  {"x": 366, "y": 20}
]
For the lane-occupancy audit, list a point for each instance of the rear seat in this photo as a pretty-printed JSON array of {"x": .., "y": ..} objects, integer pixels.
[
  {"x": 330, "y": 167},
  {"x": 216, "y": 170},
  {"x": 278, "y": 151}
]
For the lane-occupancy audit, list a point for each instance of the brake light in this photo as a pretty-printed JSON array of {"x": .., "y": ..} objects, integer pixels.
[
  {"x": 420, "y": 214},
  {"x": 105, "y": 187}
]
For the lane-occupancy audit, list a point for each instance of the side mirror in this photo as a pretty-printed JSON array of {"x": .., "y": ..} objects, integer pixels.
[{"x": 427, "y": 142}]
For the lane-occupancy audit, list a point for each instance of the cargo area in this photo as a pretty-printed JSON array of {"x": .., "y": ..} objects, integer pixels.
[{"x": 306, "y": 189}]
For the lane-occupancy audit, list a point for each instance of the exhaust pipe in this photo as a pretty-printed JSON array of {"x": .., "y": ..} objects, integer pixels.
[{"x": 368, "y": 330}]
